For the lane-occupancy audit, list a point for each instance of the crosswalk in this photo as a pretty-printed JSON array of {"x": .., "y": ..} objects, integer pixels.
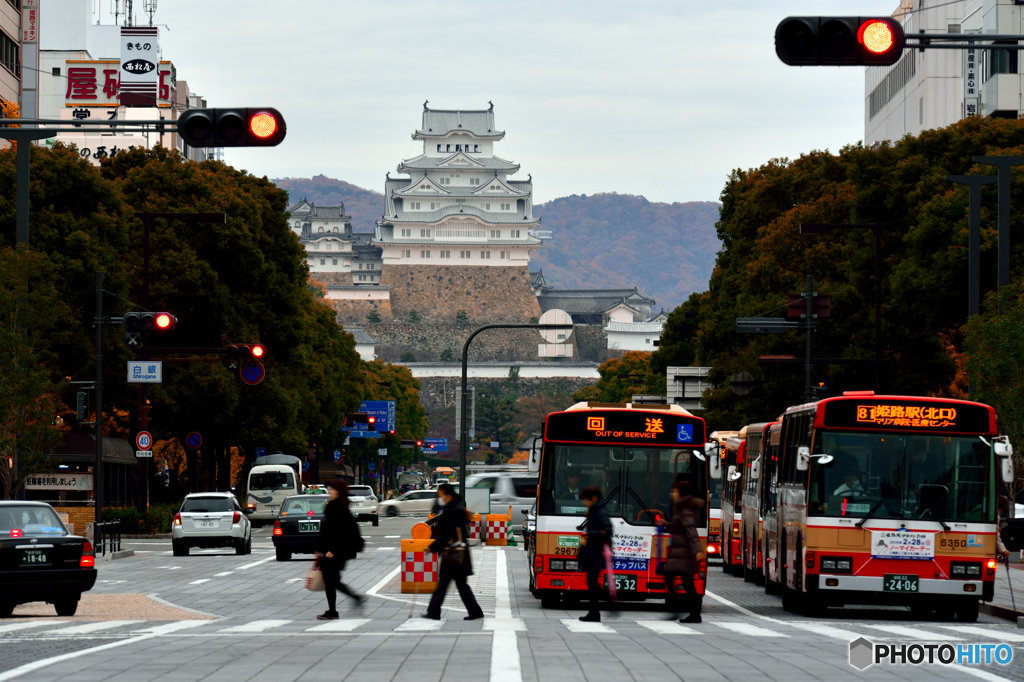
[{"x": 633, "y": 627}]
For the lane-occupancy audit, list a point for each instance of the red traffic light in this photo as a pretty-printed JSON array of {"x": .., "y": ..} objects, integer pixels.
[
  {"x": 262, "y": 124},
  {"x": 242, "y": 127},
  {"x": 257, "y": 351},
  {"x": 371, "y": 420},
  {"x": 419, "y": 443},
  {"x": 163, "y": 321},
  {"x": 876, "y": 36}
]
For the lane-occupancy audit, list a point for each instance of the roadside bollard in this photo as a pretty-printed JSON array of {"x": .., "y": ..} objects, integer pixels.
[
  {"x": 419, "y": 567},
  {"x": 474, "y": 526},
  {"x": 497, "y": 530}
]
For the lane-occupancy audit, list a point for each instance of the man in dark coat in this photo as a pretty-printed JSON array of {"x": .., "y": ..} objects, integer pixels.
[
  {"x": 449, "y": 529},
  {"x": 339, "y": 541},
  {"x": 685, "y": 553},
  {"x": 598, "y": 527}
]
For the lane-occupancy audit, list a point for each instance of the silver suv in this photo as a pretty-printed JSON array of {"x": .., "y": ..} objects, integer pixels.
[
  {"x": 363, "y": 503},
  {"x": 211, "y": 520},
  {"x": 518, "y": 490}
]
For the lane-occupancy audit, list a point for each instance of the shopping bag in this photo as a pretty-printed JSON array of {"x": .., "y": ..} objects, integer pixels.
[
  {"x": 609, "y": 566},
  {"x": 315, "y": 578}
]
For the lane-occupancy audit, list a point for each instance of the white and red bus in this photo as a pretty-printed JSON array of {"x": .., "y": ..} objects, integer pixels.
[
  {"x": 759, "y": 446},
  {"x": 732, "y": 501},
  {"x": 887, "y": 500},
  {"x": 714, "y": 451},
  {"x": 633, "y": 453}
]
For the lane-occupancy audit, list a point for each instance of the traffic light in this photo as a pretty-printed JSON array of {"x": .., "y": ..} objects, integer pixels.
[
  {"x": 236, "y": 354},
  {"x": 244, "y": 127},
  {"x": 136, "y": 323},
  {"x": 372, "y": 424},
  {"x": 419, "y": 443},
  {"x": 144, "y": 418},
  {"x": 82, "y": 408},
  {"x": 839, "y": 41}
]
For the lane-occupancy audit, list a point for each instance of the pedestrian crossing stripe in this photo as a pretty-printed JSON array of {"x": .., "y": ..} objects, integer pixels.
[{"x": 750, "y": 630}]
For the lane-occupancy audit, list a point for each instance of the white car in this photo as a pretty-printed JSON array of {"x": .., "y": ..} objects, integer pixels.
[
  {"x": 211, "y": 520},
  {"x": 363, "y": 503},
  {"x": 413, "y": 502}
]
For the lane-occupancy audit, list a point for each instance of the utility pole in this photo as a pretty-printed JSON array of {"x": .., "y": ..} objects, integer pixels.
[
  {"x": 98, "y": 469},
  {"x": 1003, "y": 164},
  {"x": 809, "y": 328}
]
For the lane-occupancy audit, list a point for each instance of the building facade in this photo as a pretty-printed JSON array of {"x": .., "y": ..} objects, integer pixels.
[
  {"x": 10, "y": 51},
  {"x": 935, "y": 88},
  {"x": 335, "y": 255}
]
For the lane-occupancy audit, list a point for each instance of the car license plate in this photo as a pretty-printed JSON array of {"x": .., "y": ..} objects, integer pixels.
[
  {"x": 623, "y": 583},
  {"x": 206, "y": 524},
  {"x": 34, "y": 557},
  {"x": 901, "y": 583},
  {"x": 309, "y": 526}
]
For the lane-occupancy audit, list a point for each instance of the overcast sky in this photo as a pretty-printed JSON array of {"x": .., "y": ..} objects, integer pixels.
[{"x": 654, "y": 97}]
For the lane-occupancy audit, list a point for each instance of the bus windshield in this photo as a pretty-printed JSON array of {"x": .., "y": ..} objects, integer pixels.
[
  {"x": 272, "y": 480},
  {"x": 636, "y": 481},
  {"x": 715, "y": 489},
  {"x": 931, "y": 477}
]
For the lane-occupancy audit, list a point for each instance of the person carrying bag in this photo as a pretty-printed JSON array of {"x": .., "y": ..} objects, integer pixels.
[
  {"x": 685, "y": 552},
  {"x": 339, "y": 541},
  {"x": 596, "y": 554},
  {"x": 456, "y": 566}
]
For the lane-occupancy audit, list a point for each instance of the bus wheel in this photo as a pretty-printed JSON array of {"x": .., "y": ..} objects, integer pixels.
[
  {"x": 759, "y": 577},
  {"x": 548, "y": 599},
  {"x": 791, "y": 600},
  {"x": 967, "y": 610},
  {"x": 748, "y": 573}
]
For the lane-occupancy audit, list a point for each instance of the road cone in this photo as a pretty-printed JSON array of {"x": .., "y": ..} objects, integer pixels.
[{"x": 511, "y": 537}]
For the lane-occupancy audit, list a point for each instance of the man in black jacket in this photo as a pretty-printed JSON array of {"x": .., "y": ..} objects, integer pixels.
[
  {"x": 599, "y": 535},
  {"x": 339, "y": 541},
  {"x": 450, "y": 529}
]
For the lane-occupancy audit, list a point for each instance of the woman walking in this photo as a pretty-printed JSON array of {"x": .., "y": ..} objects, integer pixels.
[
  {"x": 450, "y": 528},
  {"x": 598, "y": 526},
  {"x": 685, "y": 553},
  {"x": 339, "y": 541}
]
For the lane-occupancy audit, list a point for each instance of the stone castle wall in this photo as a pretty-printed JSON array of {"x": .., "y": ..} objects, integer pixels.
[
  {"x": 429, "y": 341},
  {"x": 354, "y": 311},
  {"x": 438, "y": 292},
  {"x": 332, "y": 278},
  {"x": 438, "y": 393}
]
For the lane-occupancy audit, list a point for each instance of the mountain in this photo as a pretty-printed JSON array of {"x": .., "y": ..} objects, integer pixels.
[
  {"x": 364, "y": 205},
  {"x": 613, "y": 240},
  {"x": 601, "y": 241}
]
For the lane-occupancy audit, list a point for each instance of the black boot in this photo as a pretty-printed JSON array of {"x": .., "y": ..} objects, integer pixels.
[{"x": 591, "y": 617}]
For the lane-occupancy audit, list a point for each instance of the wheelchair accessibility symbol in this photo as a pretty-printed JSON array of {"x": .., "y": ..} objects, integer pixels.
[{"x": 684, "y": 433}]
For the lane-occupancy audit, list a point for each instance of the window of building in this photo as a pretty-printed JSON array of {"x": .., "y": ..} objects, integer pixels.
[
  {"x": 56, "y": 71},
  {"x": 920, "y": 111},
  {"x": 319, "y": 230},
  {"x": 476, "y": 147},
  {"x": 506, "y": 207},
  {"x": 445, "y": 254},
  {"x": 316, "y": 246},
  {"x": 647, "y": 341},
  {"x": 503, "y": 254},
  {"x": 474, "y": 181},
  {"x": 458, "y": 147},
  {"x": 465, "y": 254},
  {"x": 485, "y": 254},
  {"x": 298, "y": 225},
  {"x": 424, "y": 233},
  {"x": 10, "y": 54},
  {"x": 447, "y": 147},
  {"x": 370, "y": 266},
  {"x": 495, "y": 234},
  {"x": 360, "y": 266},
  {"x": 323, "y": 261},
  {"x": 334, "y": 261},
  {"x": 330, "y": 246},
  {"x": 438, "y": 147},
  {"x": 408, "y": 254},
  {"x": 424, "y": 186},
  {"x": 406, "y": 233},
  {"x": 1001, "y": 61},
  {"x": 424, "y": 254},
  {"x": 487, "y": 207},
  {"x": 414, "y": 206},
  {"x": 335, "y": 230},
  {"x": 514, "y": 234},
  {"x": 434, "y": 206}
]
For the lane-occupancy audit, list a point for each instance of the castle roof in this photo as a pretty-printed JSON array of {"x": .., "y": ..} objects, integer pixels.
[
  {"x": 386, "y": 235},
  {"x": 360, "y": 335},
  {"x": 509, "y": 190},
  {"x": 636, "y": 327},
  {"x": 444, "y": 122},
  {"x": 510, "y": 218},
  {"x": 311, "y": 211},
  {"x": 591, "y": 301},
  {"x": 459, "y": 161}
]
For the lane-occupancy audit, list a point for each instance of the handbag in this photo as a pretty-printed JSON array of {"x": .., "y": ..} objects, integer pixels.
[
  {"x": 315, "y": 578},
  {"x": 457, "y": 553}
]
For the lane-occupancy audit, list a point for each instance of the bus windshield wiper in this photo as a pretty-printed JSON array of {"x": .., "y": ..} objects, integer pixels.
[
  {"x": 654, "y": 519},
  {"x": 860, "y": 524}
]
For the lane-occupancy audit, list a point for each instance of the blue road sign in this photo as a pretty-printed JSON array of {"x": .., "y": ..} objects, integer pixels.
[
  {"x": 373, "y": 466},
  {"x": 435, "y": 444},
  {"x": 253, "y": 373},
  {"x": 305, "y": 466},
  {"x": 261, "y": 451},
  {"x": 193, "y": 440},
  {"x": 383, "y": 410},
  {"x": 363, "y": 434}
]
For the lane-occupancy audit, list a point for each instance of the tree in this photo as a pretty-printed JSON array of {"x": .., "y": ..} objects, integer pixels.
[
  {"x": 408, "y": 356},
  {"x": 414, "y": 317},
  {"x": 996, "y": 364},
  {"x": 496, "y": 411},
  {"x": 373, "y": 317},
  {"x": 461, "y": 317},
  {"x": 447, "y": 355},
  {"x": 621, "y": 379},
  {"x": 31, "y": 311}
]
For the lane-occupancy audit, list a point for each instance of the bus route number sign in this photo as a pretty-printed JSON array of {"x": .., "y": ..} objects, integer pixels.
[
  {"x": 907, "y": 415},
  {"x": 634, "y": 427}
]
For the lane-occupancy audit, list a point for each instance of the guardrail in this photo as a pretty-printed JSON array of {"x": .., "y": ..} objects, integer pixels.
[{"x": 104, "y": 533}]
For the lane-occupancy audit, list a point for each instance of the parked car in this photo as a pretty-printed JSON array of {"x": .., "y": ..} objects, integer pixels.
[
  {"x": 529, "y": 526},
  {"x": 363, "y": 503},
  {"x": 40, "y": 561},
  {"x": 297, "y": 527},
  {"x": 211, "y": 520},
  {"x": 518, "y": 490},
  {"x": 413, "y": 502}
]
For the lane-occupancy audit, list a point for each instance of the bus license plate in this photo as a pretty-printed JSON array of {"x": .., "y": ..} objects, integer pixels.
[
  {"x": 34, "y": 557},
  {"x": 309, "y": 526},
  {"x": 623, "y": 583},
  {"x": 901, "y": 583}
]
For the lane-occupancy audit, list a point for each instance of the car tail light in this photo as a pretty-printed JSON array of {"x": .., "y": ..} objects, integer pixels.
[
  {"x": 702, "y": 570},
  {"x": 16, "y": 533},
  {"x": 736, "y": 528},
  {"x": 991, "y": 566},
  {"x": 309, "y": 513},
  {"x": 712, "y": 549},
  {"x": 250, "y": 506},
  {"x": 177, "y": 519},
  {"x": 88, "y": 560},
  {"x": 277, "y": 528},
  {"x": 810, "y": 559},
  {"x": 236, "y": 517}
]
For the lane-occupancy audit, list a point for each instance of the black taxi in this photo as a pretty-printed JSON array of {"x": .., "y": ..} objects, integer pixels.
[{"x": 297, "y": 527}]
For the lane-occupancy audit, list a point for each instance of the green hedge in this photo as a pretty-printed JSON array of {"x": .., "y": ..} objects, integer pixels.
[{"x": 156, "y": 519}]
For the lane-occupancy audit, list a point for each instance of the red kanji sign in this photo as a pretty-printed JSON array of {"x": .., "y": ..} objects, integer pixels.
[{"x": 81, "y": 83}]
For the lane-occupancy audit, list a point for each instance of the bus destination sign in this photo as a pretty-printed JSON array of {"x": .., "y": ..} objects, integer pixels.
[
  {"x": 626, "y": 427},
  {"x": 895, "y": 414}
]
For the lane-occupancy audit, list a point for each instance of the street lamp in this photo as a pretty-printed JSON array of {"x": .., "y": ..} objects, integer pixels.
[{"x": 822, "y": 228}]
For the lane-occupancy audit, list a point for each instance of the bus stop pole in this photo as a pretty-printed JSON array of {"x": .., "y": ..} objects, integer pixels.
[{"x": 464, "y": 426}]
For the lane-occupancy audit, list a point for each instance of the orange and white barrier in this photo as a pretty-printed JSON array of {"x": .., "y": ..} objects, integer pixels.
[
  {"x": 419, "y": 567},
  {"x": 497, "y": 530}
]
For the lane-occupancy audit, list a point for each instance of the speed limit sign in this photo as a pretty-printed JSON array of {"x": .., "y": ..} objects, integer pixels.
[{"x": 144, "y": 440}]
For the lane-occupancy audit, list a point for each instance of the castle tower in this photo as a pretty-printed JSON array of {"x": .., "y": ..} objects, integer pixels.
[{"x": 457, "y": 231}]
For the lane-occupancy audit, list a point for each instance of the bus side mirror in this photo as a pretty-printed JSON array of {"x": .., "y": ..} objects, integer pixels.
[
  {"x": 1006, "y": 469},
  {"x": 1003, "y": 447},
  {"x": 733, "y": 474},
  {"x": 715, "y": 467},
  {"x": 755, "y": 469},
  {"x": 534, "y": 463},
  {"x": 803, "y": 458}
]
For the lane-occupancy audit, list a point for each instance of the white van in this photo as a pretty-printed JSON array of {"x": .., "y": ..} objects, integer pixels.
[{"x": 267, "y": 488}]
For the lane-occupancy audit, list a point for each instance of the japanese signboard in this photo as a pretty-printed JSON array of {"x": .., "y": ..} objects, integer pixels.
[
  {"x": 639, "y": 427},
  {"x": 139, "y": 70},
  {"x": 145, "y": 371},
  {"x": 902, "y": 544},
  {"x": 30, "y": 21},
  {"x": 972, "y": 82},
  {"x": 436, "y": 444},
  {"x": 59, "y": 482},
  {"x": 97, "y": 83},
  {"x": 631, "y": 552},
  {"x": 894, "y": 414}
]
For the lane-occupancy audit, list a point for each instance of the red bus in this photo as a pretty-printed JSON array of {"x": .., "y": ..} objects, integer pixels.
[{"x": 759, "y": 447}]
